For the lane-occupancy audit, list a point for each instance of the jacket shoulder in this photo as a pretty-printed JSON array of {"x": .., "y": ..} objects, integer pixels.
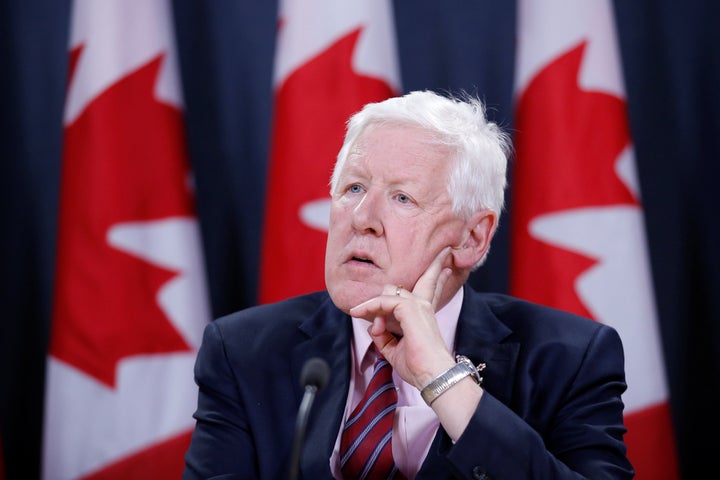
[{"x": 528, "y": 318}]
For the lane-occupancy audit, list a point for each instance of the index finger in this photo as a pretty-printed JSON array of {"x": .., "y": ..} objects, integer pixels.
[{"x": 431, "y": 282}]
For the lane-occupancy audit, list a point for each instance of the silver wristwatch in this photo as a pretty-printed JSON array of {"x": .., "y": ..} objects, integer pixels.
[{"x": 453, "y": 375}]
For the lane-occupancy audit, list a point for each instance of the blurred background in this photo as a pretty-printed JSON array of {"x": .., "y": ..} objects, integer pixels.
[{"x": 669, "y": 54}]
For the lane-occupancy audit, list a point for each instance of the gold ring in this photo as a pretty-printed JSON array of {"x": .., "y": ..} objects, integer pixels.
[{"x": 397, "y": 290}]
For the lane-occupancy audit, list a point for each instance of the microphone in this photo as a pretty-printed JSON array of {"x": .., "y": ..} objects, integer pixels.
[{"x": 313, "y": 378}]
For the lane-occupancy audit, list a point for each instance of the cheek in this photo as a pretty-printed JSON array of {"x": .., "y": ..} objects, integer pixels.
[
  {"x": 336, "y": 218},
  {"x": 333, "y": 242},
  {"x": 415, "y": 246},
  {"x": 409, "y": 245},
  {"x": 338, "y": 228}
]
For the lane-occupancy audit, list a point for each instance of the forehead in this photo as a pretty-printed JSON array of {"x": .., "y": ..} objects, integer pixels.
[{"x": 409, "y": 151}]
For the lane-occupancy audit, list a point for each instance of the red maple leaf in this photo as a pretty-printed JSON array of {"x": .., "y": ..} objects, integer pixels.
[
  {"x": 312, "y": 106},
  {"x": 124, "y": 160},
  {"x": 567, "y": 143}
]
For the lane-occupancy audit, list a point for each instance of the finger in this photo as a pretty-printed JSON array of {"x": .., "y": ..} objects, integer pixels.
[
  {"x": 442, "y": 280},
  {"x": 377, "y": 306},
  {"x": 377, "y": 327},
  {"x": 427, "y": 285},
  {"x": 382, "y": 336},
  {"x": 394, "y": 290}
]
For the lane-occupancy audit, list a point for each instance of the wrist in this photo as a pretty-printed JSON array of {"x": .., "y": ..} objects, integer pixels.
[
  {"x": 439, "y": 367},
  {"x": 450, "y": 377}
]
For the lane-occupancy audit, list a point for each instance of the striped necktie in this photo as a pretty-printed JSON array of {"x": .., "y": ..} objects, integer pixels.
[{"x": 366, "y": 443}]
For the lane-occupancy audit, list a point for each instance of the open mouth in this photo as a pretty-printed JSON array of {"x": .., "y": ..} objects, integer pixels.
[{"x": 364, "y": 260}]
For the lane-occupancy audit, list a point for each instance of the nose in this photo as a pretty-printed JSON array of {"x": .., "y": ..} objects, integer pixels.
[{"x": 366, "y": 216}]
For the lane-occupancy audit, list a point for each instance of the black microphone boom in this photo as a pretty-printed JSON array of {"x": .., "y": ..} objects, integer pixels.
[{"x": 313, "y": 378}]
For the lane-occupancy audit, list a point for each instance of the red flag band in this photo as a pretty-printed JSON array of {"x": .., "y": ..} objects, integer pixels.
[
  {"x": 578, "y": 239},
  {"x": 332, "y": 59},
  {"x": 130, "y": 298}
]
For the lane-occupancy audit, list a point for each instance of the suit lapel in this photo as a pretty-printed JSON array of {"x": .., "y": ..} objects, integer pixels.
[
  {"x": 328, "y": 337},
  {"x": 481, "y": 336}
]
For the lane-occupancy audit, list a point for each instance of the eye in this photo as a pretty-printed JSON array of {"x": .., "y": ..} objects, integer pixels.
[
  {"x": 355, "y": 188},
  {"x": 402, "y": 198}
]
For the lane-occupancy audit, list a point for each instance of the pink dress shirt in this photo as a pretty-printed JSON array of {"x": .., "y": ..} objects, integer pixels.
[{"x": 415, "y": 423}]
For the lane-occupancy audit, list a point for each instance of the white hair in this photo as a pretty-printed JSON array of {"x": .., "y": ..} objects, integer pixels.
[{"x": 480, "y": 149}]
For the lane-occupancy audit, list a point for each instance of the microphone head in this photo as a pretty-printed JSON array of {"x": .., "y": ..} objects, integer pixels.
[{"x": 315, "y": 373}]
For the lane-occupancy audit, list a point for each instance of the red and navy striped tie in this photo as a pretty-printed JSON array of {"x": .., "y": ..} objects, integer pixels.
[{"x": 366, "y": 443}]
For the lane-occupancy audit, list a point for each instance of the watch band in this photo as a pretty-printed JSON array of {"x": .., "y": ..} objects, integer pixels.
[{"x": 450, "y": 377}]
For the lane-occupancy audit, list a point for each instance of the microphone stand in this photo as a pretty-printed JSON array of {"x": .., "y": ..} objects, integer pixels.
[
  {"x": 313, "y": 378},
  {"x": 303, "y": 414}
]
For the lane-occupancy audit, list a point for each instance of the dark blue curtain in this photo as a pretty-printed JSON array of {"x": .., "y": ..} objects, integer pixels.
[
  {"x": 671, "y": 59},
  {"x": 33, "y": 62}
]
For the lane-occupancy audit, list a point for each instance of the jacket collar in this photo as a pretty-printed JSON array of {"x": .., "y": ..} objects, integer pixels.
[
  {"x": 482, "y": 337},
  {"x": 328, "y": 334}
]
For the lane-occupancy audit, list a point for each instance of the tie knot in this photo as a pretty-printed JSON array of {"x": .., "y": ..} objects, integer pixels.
[
  {"x": 371, "y": 358},
  {"x": 382, "y": 371}
]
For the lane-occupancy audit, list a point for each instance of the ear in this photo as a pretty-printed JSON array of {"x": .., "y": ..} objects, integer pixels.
[{"x": 481, "y": 228}]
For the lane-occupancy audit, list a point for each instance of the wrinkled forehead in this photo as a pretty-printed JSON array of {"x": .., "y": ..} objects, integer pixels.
[
  {"x": 400, "y": 154},
  {"x": 389, "y": 145},
  {"x": 396, "y": 138}
]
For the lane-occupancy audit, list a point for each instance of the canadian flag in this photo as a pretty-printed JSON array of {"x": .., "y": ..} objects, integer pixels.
[
  {"x": 332, "y": 58},
  {"x": 130, "y": 298},
  {"x": 578, "y": 240}
]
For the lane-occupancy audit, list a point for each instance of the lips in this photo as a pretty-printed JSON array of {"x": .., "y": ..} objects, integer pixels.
[
  {"x": 364, "y": 260},
  {"x": 361, "y": 257}
]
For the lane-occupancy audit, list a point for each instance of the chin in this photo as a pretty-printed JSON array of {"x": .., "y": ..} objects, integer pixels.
[{"x": 348, "y": 294}]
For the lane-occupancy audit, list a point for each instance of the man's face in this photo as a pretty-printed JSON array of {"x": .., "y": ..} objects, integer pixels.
[{"x": 390, "y": 214}]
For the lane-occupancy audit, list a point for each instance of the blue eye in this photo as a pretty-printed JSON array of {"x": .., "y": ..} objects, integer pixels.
[
  {"x": 402, "y": 198},
  {"x": 355, "y": 188}
]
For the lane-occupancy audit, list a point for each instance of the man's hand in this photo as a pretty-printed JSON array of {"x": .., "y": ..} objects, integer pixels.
[{"x": 404, "y": 328}]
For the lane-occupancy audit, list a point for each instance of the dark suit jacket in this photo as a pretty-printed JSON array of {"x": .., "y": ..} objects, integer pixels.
[{"x": 551, "y": 408}]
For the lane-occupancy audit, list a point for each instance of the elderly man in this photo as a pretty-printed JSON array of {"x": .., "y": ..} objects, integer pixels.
[{"x": 429, "y": 378}]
